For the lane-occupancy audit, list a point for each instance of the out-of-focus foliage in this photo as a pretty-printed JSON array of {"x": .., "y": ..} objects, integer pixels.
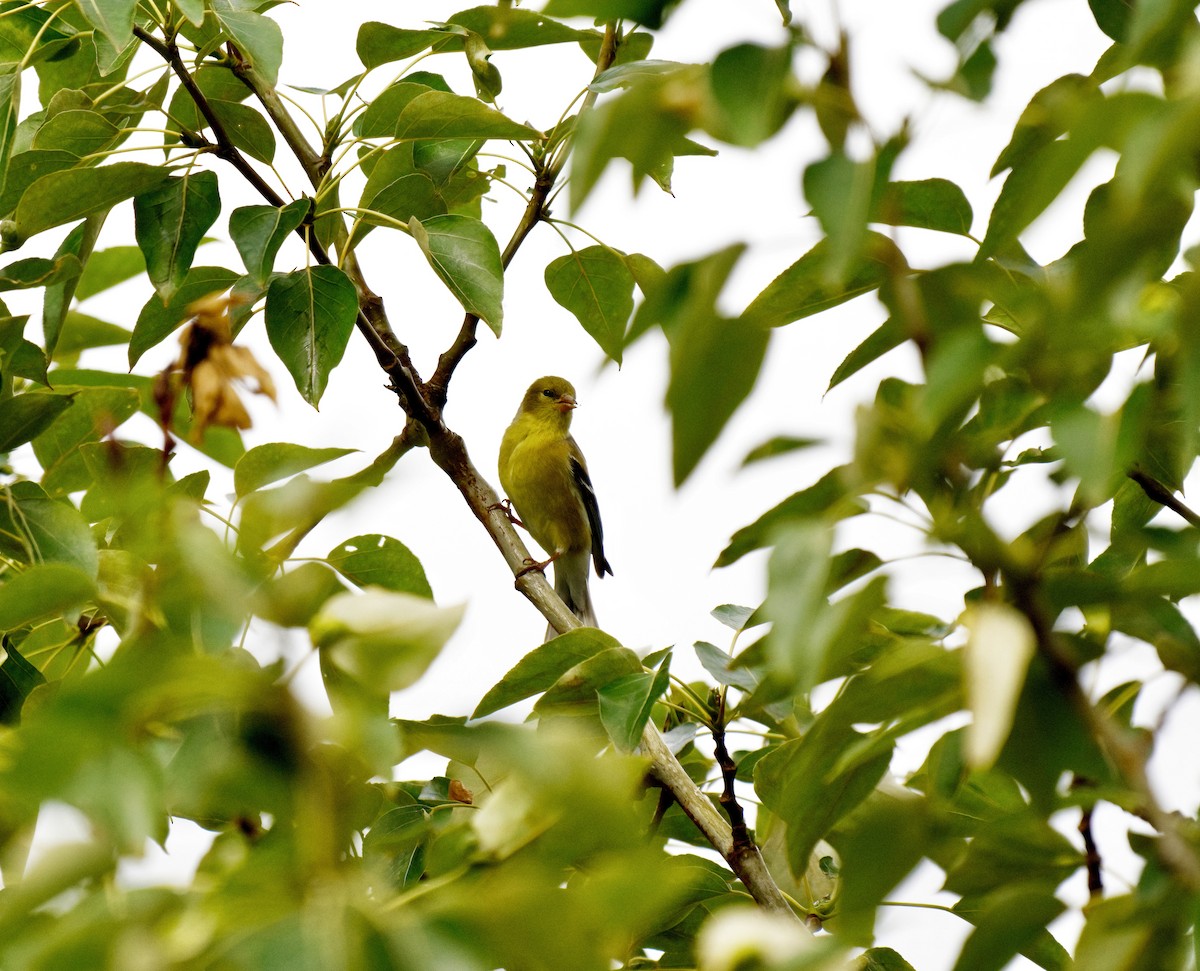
[{"x": 132, "y": 686}]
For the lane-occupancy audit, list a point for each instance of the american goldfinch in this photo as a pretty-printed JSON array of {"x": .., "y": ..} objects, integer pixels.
[{"x": 545, "y": 476}]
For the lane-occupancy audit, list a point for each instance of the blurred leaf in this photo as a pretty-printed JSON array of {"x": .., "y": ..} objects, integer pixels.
[
  {"x": 626, "y": 704},
  {"x": 81, "y": 332},
  {"x": 382, "y": 639},
  {"x": 929, "y": 204},
  {"x": 840, "y": 191},
  {"x": 804, "y": 288},
  {"x": 63, "y": 197},
  {"x": 42, "y": 591},
  {"x": 259, "y": 231},
  {"x": 309, "y": 317},
  {"x": 1011, "y": 850},
  {"x": 108, "y": 267},
  {"x": 799, "y": 782},
  {"x": 750, "y": 86},
  {"x": 37, "y": 529},
  {"x": 269, "y": 463},
  {"x": 1010, "y": 921},
  {"x": 828, "y": 498},
  {"x": 649, "y": 13},
  {"x": 25, "y": 416},
  {"x": 464, "y": 254},
  {"x": 374, "y": 560},
  {"x": 1000, "y": 645},
  {"x": 291, "y": 600},
  {"x": 890, "y": 334},
  {"x": 543, "y": 666},
  {"x": 597, "y": 287},
  {"x": 780, "y": 445}
]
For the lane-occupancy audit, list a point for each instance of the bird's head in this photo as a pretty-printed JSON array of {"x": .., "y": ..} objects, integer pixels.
[{"x": 551, "y": 398}]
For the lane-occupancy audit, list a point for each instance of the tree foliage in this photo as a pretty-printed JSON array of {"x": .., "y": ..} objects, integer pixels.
[{"x": 138, "y": 683}]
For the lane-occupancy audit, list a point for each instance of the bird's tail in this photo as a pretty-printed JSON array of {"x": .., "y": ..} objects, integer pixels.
[{"x": 571, "y": 584}]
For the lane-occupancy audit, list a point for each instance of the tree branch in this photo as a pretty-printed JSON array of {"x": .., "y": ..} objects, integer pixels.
[
  {"x": 1126, "y": 753},
  {"x": 423, "y": 402},
  {"x": 1164, "y": 496}
]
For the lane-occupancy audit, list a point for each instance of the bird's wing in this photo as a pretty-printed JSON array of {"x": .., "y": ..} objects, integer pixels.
[{"x": 583, "y": 482}]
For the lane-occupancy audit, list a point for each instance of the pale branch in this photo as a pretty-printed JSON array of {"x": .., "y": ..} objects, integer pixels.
[{"x": 422, "y": 403}]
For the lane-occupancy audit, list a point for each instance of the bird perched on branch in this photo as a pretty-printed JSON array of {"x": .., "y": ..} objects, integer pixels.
[{"x": 545, "y": 476}]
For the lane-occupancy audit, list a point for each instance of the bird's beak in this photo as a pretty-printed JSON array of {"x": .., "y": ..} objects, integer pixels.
[{"x": 566, "y": 403}]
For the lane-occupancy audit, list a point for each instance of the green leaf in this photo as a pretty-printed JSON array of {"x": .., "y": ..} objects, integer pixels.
[
  {"x": 381, "y": 639},
  {"x": 464, "y": 254},
  {"x": 828, "y": 498},
  {"x": 80, "y": 132},
  {"x": 379, "y": 43},
  {"x": 157, "y": 320},
  {"x": 10, "y": 110},
  {"x": 107, "y": 268},
  {"x": 44, "y": 590},
  {"x": 626, "y": 704},
  {"x": 77, "y": 246},
  {"x": 936, "y": 204},
  {"x": 1112, "y": 17},
  {"x": 25, "y": 168},
  {"x": 257, "y": 38},
  {"x": 379, "y": 120},
  {"x": 804, "y": 289},
  {"x": 259, "y": 231},
  {"x": 543, "y": 666},
  {"x": 81, "y": 332},
  {"x": 714, "y": 367},
  {"x": 718, "y": 663},
  {"x": 1010, "y": 921},
  {"x": 269, "y": 463},
  {"x": 800, "y": 782},
  {"x": 578, "y": 686},
  {"x": 170, "y": 223},
  {"x": 96, "y": 412},
  {"x": 113, "y": 18},
  {"x": 62, "y": 197},
  {"x": 247, "y": 129},
  {"x": 779, "y": 445},
  {"x": 442, "y": 114},
  {"x": 375, "y": 560},
  {"x": 396, "y": 192},
  {"x": 310, "y": 315},
  {"x": 293, "y": 599},
  {"x": 750, "y": 85},
  {"x": 37, "y": 529},
  {"x": 887, "y": 336},
  {"x": 38, "y": 272},
  {"x": 25, "y": 416},
  {"x": 596, "y": 285},
  {"x": 649, "y": 13},
  {"x": 17, "y": 679}
]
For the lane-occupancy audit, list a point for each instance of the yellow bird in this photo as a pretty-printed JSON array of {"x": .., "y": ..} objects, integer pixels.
[{"x": 545, "y": 476}]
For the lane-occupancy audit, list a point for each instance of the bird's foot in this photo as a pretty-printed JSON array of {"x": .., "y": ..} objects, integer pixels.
[
  {"x": 533, "y": 566},
  {"x": 507, "y": 507}
]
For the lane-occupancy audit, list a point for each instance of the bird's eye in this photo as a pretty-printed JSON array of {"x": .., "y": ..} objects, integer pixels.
[{"x": 548, "y": 393}]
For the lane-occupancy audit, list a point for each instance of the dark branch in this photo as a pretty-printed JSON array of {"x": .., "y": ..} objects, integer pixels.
[
  {"x": 1164, "y": 496},
  {"x": 729, "y": 802}
]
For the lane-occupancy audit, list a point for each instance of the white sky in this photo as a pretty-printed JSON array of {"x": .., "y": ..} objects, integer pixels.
[{"x": 661, "y": 542}]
